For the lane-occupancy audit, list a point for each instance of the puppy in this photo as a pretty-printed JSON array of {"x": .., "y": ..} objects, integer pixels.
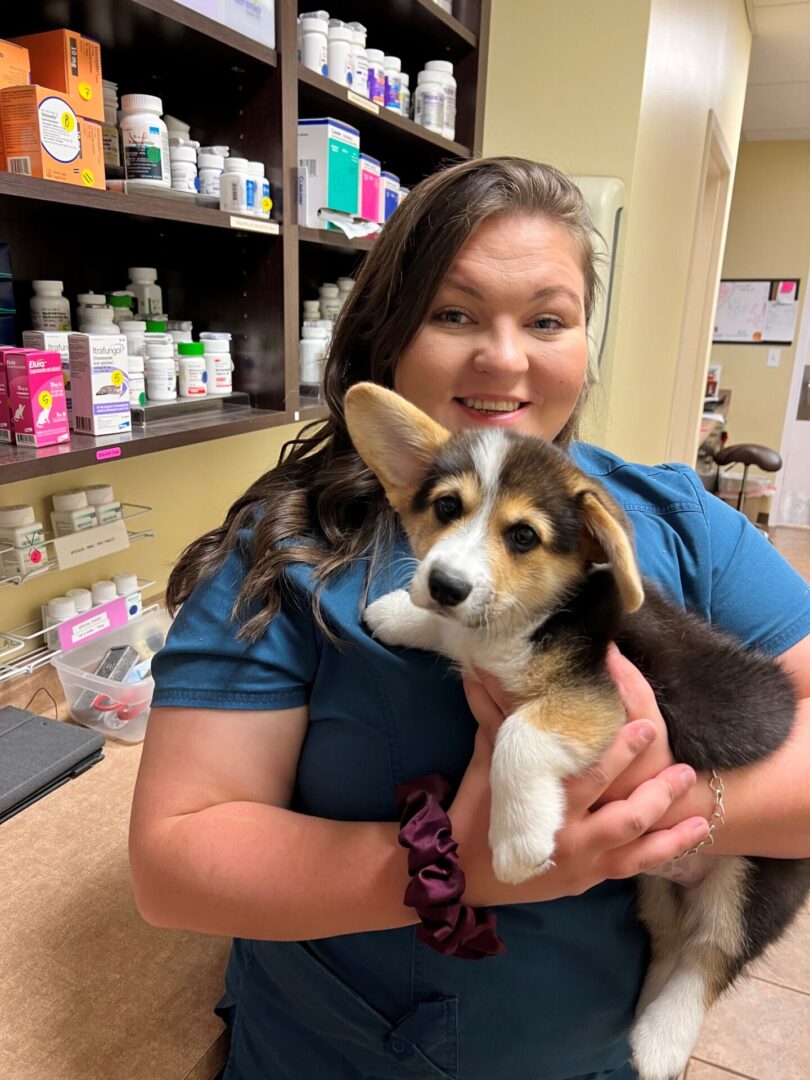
[{"x": 527, "y": 570}]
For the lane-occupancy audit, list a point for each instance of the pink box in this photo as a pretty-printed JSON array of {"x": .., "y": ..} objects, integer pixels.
[
  {"x": 6, "y": 429},
  {"x": 92, "y": 624},
  {"x": 36, "y": 394},
  {"x": 369, "y": 188}
]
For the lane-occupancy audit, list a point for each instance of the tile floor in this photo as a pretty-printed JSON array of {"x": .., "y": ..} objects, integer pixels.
[{"x": 761, "y": 1030}]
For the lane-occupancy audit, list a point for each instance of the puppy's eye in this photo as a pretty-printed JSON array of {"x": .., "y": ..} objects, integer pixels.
[
  {"x": 522, "y": 538},
  {"x": 447, "y": 508}
]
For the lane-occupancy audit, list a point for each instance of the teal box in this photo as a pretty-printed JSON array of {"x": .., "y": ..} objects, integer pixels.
[{"x": 328, "y": 160}]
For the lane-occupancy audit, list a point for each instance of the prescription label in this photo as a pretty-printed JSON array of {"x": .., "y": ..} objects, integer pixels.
[{"x": 58, "y": 130}]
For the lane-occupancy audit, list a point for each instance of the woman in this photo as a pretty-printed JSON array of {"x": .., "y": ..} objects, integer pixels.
[{"x": 264, "y": 808}]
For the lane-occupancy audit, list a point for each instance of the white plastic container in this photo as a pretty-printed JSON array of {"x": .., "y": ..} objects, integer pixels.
[
  {"x": 125, "y": 704},
  {"x": 329, "y": 301},
  {"x": 82, "y": 599},
  {"x": 428, "y": 107},
  {"x": 311, "y": 356},
  {"x": 102, "y": 592},
  {"x": 445, "y": 69},
  {"x": 184, "y": 169},
  {"x": 405, "y": 80},
  {"x": 262, "y": 203},
  {"x": 50, "y": 310},
  {"x": 104, "y": 502},
  {"x": 145, "y": 141},
  {"x": 359, "y": 59},
  {"x": 134, "y": 330},
  {"x": 161, "y": 379},
  {"x": 340, "y": 52},
  {"x": 57, "y": 610},
  {"x": 237, "y": 189},
  {"x": 218, "y": 363},
  {"x": 72, "y": 512},
  {"x": 126, "y": 585},
  {"x": 143, "y": 283},
  {"x": 137, "y": 380},
  {"x": 393, "y": 83},
  {"x": 25, "y": 535},
  {"x": 312, "y": 310},
  {"x": 315, "y": 44},
  {"x": 122, "y": 304},
  {"x": 85, "y": 301},
  {"x": 193, "y": 377},
  {"x": 376, "y": 75},
  {"x": 210, "y": 168},
  {"x": 99, "y": 320}
]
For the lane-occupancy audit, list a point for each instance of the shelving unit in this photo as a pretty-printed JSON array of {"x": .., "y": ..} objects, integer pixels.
[{"x": 213, "y": 271}]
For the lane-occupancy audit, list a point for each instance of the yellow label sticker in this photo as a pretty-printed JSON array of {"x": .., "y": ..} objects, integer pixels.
[
  {"x": 68, "y": 121},
  {"x": 267, "y": 205},
  {"x": 45, "y": 398},
  {"x": 117, "y": 378},
  {"x": 88, "y": 177},
  {"x": 85, "y": 91}
]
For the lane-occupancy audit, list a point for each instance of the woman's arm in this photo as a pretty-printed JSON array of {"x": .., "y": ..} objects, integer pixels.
[{"x": 214, "y": 849}]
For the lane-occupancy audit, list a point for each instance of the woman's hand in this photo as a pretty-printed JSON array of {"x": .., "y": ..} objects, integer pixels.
[{"x": 602, "y": 838}]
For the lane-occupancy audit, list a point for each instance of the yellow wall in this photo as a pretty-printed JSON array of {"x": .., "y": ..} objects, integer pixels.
[
  {"x": 624, "y": 88},
  {"x": 190, "y": 490},
  {"x": 768, "y": 236}
]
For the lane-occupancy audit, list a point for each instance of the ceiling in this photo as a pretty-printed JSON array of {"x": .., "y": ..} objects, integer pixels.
[{"x": 777, "y": 103}]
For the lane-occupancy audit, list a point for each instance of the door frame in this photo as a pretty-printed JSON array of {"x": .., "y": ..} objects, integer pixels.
[
  {"x": 800, "y": 360},
  {"x": 703, "y": 283}
]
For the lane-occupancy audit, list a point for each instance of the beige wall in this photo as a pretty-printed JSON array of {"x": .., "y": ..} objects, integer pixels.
[
  {"x": 624, "y": 88},
  {"x": 189, "y": 489},
  {"x": 768, "y": 236}
]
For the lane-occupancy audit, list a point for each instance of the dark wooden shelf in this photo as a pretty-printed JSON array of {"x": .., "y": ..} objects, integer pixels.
[
  {"x": 178, "y": 13},
  {"x": 413, "y": 26},
  {"x": 150, "y": 206},
  {"x": 400, "y": 143},
  {"x": 335, "y": 239},
  {"x": 23, "y": 463}
]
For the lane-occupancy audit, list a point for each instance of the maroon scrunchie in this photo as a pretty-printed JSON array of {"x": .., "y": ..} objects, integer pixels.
[{"x": 437, "y": 881}]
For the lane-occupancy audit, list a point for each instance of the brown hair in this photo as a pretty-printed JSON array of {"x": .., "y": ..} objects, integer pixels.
[{"x": 321, "y": 505}]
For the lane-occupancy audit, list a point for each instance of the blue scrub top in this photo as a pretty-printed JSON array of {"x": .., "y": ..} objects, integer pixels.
[{"x": 381, "y": 1006}]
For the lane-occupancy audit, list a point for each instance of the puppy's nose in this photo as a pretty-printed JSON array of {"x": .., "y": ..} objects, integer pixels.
[{"x": 448, "y": 589}]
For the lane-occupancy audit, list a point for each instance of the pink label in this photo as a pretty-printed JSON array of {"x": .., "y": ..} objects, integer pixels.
[
  {"x": 110, "y": 452},
  {"x": 369, "y": 195},
  {"x": 92, "y": 624}
]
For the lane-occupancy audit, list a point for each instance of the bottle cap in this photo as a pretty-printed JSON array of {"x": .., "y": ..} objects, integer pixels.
[
  {"x": 190, "y": 348},
  {"x": 48, "y": 286},
  {"x": 75, "y": 499},
  {"x": 144, "y": 275},
  {"x": 61, "y": 607},
  {"x": 99, "y": 494},
  {"x": 82, "y": 599},
  {"x": 141, "y": 102},
  {"x": 11, "y": 516},
  {"x": 119, "y": 300},
  {"x": 439, "y": 65},
  {"x": 125, "y": 584},
  {"x": 102, "y": 592}
]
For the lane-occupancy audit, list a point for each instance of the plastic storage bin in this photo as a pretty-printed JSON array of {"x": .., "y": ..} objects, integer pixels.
[{"x": 119, "y": 710}]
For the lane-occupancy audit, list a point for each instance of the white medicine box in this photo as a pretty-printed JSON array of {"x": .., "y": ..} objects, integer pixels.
[
  {"x": 99, "y": 383},
  {"x": 328, "y": 160},
  {"x": 256, "y": 19}
]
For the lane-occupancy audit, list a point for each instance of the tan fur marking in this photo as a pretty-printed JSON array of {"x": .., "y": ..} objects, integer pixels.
[{"x": 586, "y": 712}]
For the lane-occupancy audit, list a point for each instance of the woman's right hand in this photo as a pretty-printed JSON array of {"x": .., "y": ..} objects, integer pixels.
[{"x": 612, "y": 841}]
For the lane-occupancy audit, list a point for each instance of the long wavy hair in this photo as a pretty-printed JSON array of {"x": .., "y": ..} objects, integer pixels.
[{"x": 321, "y": 505}]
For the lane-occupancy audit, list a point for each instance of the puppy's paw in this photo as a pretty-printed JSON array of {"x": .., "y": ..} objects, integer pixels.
[
  {"x": 516, "y": 859},
  {"x": 388, "y": 617}
]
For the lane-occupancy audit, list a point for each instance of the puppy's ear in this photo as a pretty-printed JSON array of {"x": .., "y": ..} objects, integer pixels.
[
  {"x": 606, "y": 540},
  {"x": 395, "y": 439}
]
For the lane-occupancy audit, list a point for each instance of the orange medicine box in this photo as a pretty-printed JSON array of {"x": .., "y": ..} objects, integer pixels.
[
  {"x": 71, "y": 64},
  {"x": 44, "y": 137},
  {"x": 15, "y": 70}
]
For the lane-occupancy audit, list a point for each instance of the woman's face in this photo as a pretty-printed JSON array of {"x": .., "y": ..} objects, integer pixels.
[{"x": 504, "y": 342}]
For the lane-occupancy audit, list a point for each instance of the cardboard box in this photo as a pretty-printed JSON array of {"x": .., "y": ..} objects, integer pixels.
[
  {"x": 36, "y": 397},
  {"x": 6, "y": 427},
  {"x": 389, "y": 195},
  {"x": 369, "y": 191},
  {"x": 99, "y": 384},
  {"x": 71, "y": 65},
  {"x": 329, "y": 150},
  {"x": 15, "y": 66},
  {"x": 52, "y": 341},
  {"x": 44, "y": 137},
  {"x": 255, "y": 19}
]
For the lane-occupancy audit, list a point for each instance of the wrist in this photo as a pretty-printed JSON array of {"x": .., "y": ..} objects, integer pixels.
[{"x": 698, "y": 801}]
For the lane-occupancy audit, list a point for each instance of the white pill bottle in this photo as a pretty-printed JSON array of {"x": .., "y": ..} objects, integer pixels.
[
  {"x": 145, "y": 140},
  {"x": 218, "y": 363},
  {"x": 445, "y": 70}
]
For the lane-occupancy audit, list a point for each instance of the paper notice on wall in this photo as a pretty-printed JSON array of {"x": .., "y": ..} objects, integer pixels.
[{"x": 780, "y": 321}]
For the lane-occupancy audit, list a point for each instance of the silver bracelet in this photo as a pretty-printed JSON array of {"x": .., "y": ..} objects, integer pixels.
[{"x": 718, "y": 817}]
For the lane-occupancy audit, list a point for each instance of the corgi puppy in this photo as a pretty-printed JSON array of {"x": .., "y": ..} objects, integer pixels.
[{"x": 527, "y": 570}]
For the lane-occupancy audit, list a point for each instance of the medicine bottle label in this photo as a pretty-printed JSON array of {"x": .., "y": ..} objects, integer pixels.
[
  {"x": 58, "y": 130},
  {"x": 143, "y": 155},
  {"x": 250, "y": 194}
]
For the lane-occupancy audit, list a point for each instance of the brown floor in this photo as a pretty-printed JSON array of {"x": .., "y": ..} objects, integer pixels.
[{"x": 762, "y": 1029}]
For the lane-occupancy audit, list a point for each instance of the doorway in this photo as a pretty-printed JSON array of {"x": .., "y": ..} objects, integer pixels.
[
  {"x": 701, "y": 296},
  {"x": 791, "y": 504}
]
